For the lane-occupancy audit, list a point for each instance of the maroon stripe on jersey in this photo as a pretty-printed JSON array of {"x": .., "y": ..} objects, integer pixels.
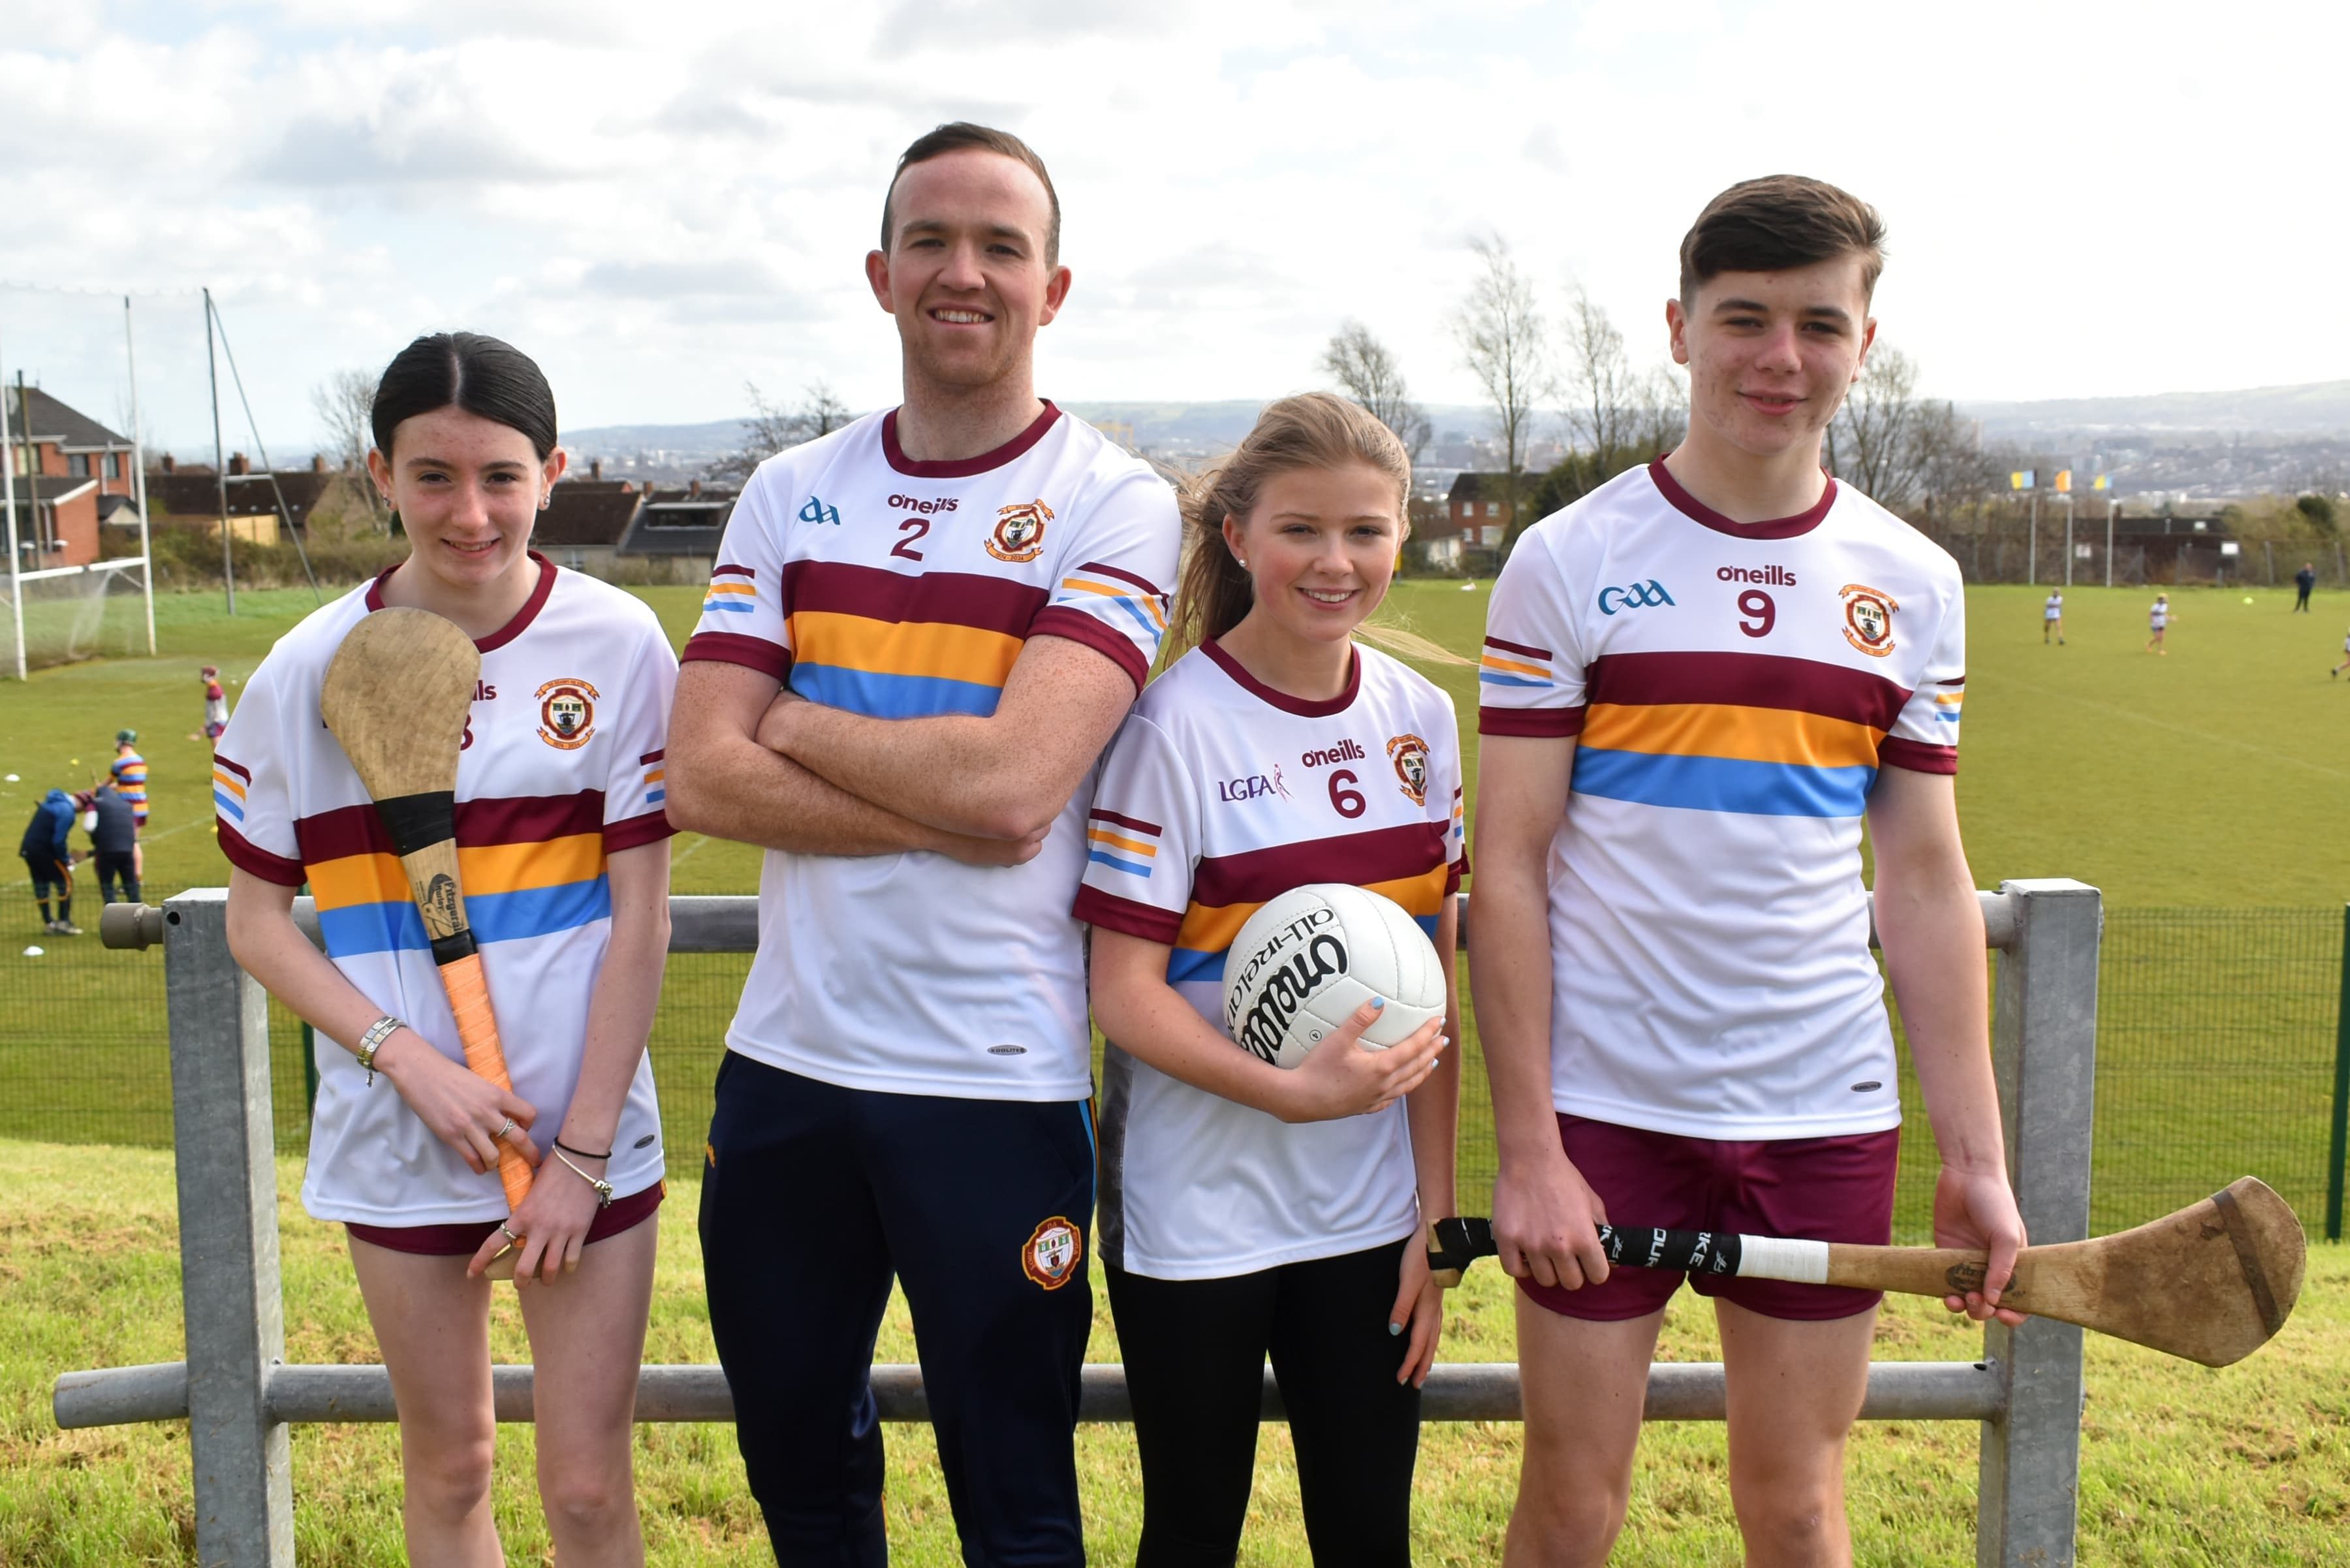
[
  {"x": 222, "y": 762},
  {"x": 963, "y": 468},
  {"x": 1112, "y": 913},
  {"x": 1696, "y": 511},
  {"x": 1746, "y": 681},
  {"x": 1382, "y": 855},
  {"x": 247, "y": 856},
  {"x": 1304, "y": 708},
  {"x": 1542, "y": 724},
  {"x": 729, "y": 570},
  {"x": 1060, "y": 620},
  {"x": 733, "y": 648},
  {"x": 1953, "y": 681},
  {"x": 633, "y": 831},
  {"x": 1517, "y": 647},
  {"x": 504, "y": 634},
  {"x": 650, "y": 757},
  {"x": 946, "y": 598},
  {"x": 1918, "y": 757},
  {"x": 1136, "y": 823},
  {"x": 517, "y": 819},
  {"x": 1145, "y": 584}
]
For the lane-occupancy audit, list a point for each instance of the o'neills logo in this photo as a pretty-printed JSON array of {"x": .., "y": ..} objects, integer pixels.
[
  {"x": 1344, "y": 752},
  {"x": 1769, "y": 577},
  {"x": 1281, "y": 976}
]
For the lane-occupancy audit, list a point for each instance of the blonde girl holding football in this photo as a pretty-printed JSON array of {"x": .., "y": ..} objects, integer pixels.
[
  {"x": 561, "y": 831},
  {"x": 1246, "y": 1210}
]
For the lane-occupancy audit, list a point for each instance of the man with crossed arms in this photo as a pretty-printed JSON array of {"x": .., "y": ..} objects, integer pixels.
[{"x": 921, "y": 632}]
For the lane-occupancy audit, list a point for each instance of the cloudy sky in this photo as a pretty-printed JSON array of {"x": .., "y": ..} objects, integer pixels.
[{"x": 661, "y": 201}]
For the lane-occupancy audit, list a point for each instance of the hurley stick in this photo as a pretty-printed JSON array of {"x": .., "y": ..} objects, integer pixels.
[
  {"x": 2213, "y": 1283},
  {"x": 396, "y": 696}
]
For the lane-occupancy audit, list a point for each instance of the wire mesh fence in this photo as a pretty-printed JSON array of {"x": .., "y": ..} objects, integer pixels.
[{"x": 2216, "y": 1043}]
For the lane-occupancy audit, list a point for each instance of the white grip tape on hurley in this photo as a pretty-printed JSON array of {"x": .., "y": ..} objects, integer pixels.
[{"x": 1775, "y": 1258}]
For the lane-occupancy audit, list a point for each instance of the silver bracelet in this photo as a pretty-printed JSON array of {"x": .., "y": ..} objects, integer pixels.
[
  {"x": 382, "y": 1030},
  {"x": 603, "y": 1188}
]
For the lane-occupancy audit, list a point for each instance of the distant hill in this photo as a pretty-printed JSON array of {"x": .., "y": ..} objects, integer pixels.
[{"x": 2313, "y": 408}]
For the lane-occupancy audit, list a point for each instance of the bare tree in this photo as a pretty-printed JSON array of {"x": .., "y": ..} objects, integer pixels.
[
  {"x": 1501, "y": 336},
  {"x": 345, "y": 404},
  {"x": 1663, "y": 404},
  {"x": 1367, "y": 373},
  {"x": 771, "y": 429},
  {"x": 1606, "y": 407},
  {"x": 1875, "y": 436}
]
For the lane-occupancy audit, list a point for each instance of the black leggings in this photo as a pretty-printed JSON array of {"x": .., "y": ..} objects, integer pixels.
[{"x": 1195, "y": 1354}]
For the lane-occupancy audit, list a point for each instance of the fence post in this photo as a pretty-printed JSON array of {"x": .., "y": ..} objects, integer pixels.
[
  {"x": 2043, "y": 1048},
  {"x": 225, "y": 1150},
  {"x": 2337, "y": 1147}
]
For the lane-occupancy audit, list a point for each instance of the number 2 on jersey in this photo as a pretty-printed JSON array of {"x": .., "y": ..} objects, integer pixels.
[
  {"x": 913, "y": 528},
  {"x": 1760, "y": 612}
]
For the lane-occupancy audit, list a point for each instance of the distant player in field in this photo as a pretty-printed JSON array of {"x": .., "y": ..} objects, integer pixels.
[
  {"x": 2302, "y": 581},
  {"x": 1698, "y": 682},
  {"x": 1246, "y": 1209},
  {"x": 114, "y": 843},
  {"x": 2052, "y": 619},
  {"x": 215, "y": 704},
  {"x": 2158, "y": 621},
  {"x": 130, "y": 776},
  {"x": 46, "y": 849},
  {"x": 566, "y": 866},
  {"x": 923, "y": 630}
]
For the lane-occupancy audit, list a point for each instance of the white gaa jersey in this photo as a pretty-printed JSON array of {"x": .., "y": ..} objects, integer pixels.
[
  {"x": 2054, "y": 608},
  {"x": 897, "y": 589},
  {"x": 561, "y": 767},
  {"x": 2157, "y": 615},
  {"x": 1218, "y": 794},
  {"x": 1733, "y": 689}
]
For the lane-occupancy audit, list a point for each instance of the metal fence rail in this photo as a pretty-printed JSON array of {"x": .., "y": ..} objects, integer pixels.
[
  {"x": 2216, "y": 1054},
  {"x": 238, "y": 1393}
]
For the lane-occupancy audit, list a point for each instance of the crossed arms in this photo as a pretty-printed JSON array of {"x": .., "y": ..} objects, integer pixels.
[{"x": 752, "y": 762}]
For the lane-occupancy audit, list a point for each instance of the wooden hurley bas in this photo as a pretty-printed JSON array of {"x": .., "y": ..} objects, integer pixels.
[
  {"x": 2213, "y": 1283},
  {"x": 396, "y": 696}
]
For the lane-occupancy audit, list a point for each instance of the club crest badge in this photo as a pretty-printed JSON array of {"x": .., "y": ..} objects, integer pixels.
[
  {"x": 1868, "y": 619},
  {"x": 567, "y": 713},
  {"x": 1409, "y": 755},
  {"x": 1019, "y": 533},
  {"x": 1054, "y": 1249}
]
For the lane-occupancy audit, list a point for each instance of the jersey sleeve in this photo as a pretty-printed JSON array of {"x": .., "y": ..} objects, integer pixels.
[
  {"x": 1113, "y": 592},
  {"x": 743, "y": 617},
  {"x": 1142, "y": 838},
  {"x": 252, "y": 797},
  {"x": 1447, "y": 797},
  {"x": 634, "y": 791},
  {"x": 1925, "y": 734},
  {"x": 1529, "y": 677}
]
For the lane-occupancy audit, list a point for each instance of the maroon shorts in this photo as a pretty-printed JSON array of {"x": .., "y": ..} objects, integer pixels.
[
  {"x": 464, "y": 1239},
  {"x": 1804, "y": 1189}
]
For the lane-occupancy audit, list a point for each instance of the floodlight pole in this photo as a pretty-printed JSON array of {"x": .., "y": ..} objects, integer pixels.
[
  {"x": 2068, "y": 541},
  {"x": 138, "y": 475},
  {"x": 2109, "y": 538},
  {"x": 220, "y": 462},
  {"x": 8, "y": 501},
  {"x": 2032, "y": 548}
]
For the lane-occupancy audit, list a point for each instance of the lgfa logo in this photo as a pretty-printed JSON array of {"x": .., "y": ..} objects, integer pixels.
[
  {"x": 1640, "y": 596},
  {"x": 815, "y": 510},
  {"x": 1252, "y": 786}
]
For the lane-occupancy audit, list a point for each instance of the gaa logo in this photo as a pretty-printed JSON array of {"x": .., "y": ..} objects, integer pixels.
[
  {"x": 1053, "y": 1251},
  {"x": 567, "y": 713},
  {"x": 1019, "y": 533},
  {"x": 815, "y": 510},
  {"x": 1868, "y": 619},
  {"x": 1640, "y": 596}
]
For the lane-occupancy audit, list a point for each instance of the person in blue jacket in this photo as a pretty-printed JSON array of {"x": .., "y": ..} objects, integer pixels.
[{"x": 49, "y": 855}]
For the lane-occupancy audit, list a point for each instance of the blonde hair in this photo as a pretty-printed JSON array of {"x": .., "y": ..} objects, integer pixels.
[{"x": 1312, "y": 429}]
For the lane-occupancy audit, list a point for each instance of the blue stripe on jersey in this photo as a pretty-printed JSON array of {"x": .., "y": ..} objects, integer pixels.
[
  {"x": 883, "y": 696},
  {"x": 1191, "y": 964},
  {"x": 496, "y": 917},
  {"x": 1104, "y": 857},
  {"x": 732, "y": 604},
  {"x": 1491, "y": 679},
  {"x": 228, "y": 802},
  {"x": 1722, "y": 783},
  {"x": 1149, "y": 630}
]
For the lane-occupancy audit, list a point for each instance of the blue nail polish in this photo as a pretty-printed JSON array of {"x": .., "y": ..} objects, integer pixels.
[
  {"x": 1395, "y": 1328},
  {"x": 1377, "y": 1002}
]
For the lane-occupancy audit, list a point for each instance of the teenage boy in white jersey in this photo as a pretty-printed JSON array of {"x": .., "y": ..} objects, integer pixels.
[
  {"x": 1697, "y": 681},
  {"x": 923, "y": 630}
]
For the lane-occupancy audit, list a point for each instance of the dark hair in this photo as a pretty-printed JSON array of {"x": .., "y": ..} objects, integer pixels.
[
  {"x": 953, "y": 137},
  {"x": 1779, "y": 222},
  {"x": 481, "y": 375}
]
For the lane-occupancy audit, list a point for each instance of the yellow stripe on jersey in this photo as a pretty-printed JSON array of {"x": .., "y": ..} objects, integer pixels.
[
  {"x": 746, "y": 589},
  {"x": 1492, "y": 662},
  {"x": 1722, "y": 729},
  {"x": 483, "y": 868},
  {"x": 1210, "y": 929},
  {"x": 1149, "y": 602},
  {"x": 224, "y": 779},
  {"x": 923, "y": 647},
  {"x": 1140, "y": 847}
]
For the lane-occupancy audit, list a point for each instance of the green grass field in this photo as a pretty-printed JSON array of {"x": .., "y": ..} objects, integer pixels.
[{"x": 2202, "y": 778}]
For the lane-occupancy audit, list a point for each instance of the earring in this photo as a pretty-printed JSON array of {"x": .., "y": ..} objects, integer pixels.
[{"x": 547, "y": 501}]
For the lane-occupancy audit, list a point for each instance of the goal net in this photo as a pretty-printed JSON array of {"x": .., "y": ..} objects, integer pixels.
[{"x": 70, "y": 613}]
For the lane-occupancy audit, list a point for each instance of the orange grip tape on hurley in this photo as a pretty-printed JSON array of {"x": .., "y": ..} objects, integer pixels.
[{"x": 477, "y": 1030}]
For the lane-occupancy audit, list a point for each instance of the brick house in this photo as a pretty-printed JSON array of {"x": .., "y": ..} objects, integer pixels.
[
  {"x": 583, "y": 521},
  {"x": 187, "y": 495},
  {"x": 1479, "y": 506},
  {"x": 69, "y": 470}
]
